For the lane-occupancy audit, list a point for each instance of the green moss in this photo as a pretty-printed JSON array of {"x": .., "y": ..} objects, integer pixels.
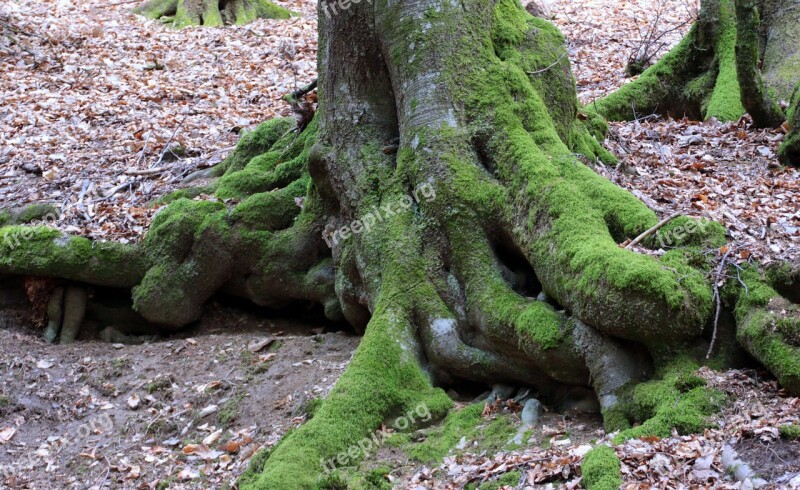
[
  {"x": 381, "y": 379},
  {"x": 468, "y": 424},
  {"x": 255, "y": 467},
  {"x": 790, "y": 432},
  {"x": 181, "y": 13},
  {"x": 601, "y": 469},
  {"x": 47, "y": 252},
  {"x": 370, "y": 479},
  {"x": 676, "y": 399},
  {"x": 789, "y": 151},
  {"x": 684, "y": 231},
  {"x": 273, "y": 210},
  {"x": 510, "y": 479},
  {"x": 458, "y": 424},
  {"x": 188, "y": 193},
  {"x": 781, "y": 358},
  {"x": 284, "y": 163},
  {"x": 615, "y": 419},
  {"x": 726, "y": 101},
  {"x": 229, "y": 411},
  {"x": 257, "y": 142},
  {"x": 789, "y": 328},
  {"x": 654, "y": 89}
]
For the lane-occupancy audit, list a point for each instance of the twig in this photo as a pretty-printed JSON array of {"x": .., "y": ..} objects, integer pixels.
[
  {"x": 177, "y": 128},
  {"x": 150, "y": 171},
  {"x": 718, "y": 300},
  {"x": 114, "y": 190},
  {"x": 551, "y": 66},
  {"x": 652, "y": 230},
  {"x": 124, "y": 2},
  {"x": 294, "y": 97}
]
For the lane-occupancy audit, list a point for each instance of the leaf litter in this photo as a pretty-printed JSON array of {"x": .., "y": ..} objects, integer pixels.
[{"x": 92, "y": 95}]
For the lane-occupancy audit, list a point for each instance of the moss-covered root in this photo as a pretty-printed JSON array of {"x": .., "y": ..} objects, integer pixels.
[
  {"x": 47, "y": 252},
  {"x": 211, "y": 13},
  {"x": 676, "y": 399},
  {"x": 698, "y": 78},
  {"x": 765, "y": 112},
  {"x": 383, "y": 381},
  {"x": 768, "y": 327},
  {"x": 789, "y": 151},
  {"x": 601, "y": 469}
]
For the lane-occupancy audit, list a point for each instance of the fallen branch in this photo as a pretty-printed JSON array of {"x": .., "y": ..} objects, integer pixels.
[
  {"x": 717, "y": 299},
  {"x": 652, "y": 230},
  {"x": 150, "y": 171},
  {"x": 551, "y": 66}
]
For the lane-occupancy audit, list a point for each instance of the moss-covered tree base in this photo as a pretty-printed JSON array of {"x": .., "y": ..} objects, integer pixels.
[
  {"x": 437, "y": 202},
  {"x": 211, "y": 13}
]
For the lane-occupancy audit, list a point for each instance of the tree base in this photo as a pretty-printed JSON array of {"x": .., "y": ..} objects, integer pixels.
[
  {"x": 452, "y": 222},
  {"x": 211, "y": 13}
]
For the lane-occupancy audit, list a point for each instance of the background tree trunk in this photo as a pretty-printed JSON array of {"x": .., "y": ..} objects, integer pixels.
[
  {"x": 211, "y": 13},
  {"x": 716, "y": 71}
]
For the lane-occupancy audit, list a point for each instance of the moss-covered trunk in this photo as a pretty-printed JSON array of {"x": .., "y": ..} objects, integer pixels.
[
  {"x": 211, "y": 13},
  {"x": 740, "y": 56},
  {"x": 438, "y": 203}
]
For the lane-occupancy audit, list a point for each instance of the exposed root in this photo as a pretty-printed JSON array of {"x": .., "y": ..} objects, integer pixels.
[
  {"x": 511, "y": 272},
  {"x": 769, "y": 329}
]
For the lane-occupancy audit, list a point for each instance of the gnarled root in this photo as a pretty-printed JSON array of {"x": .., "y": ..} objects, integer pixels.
[{"x": 769, "y": 329}]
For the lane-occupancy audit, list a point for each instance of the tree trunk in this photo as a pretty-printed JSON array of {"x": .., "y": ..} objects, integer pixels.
[
  {"x": 716, "y": 70},
  {"x": 211, "y": 13},
  {"x": 437, "y": 203}
]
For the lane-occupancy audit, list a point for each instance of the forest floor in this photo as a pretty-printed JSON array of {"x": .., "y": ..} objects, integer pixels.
[{"x": 94, "y": 103}]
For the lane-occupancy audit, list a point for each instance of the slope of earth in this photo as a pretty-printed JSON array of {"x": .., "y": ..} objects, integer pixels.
[{"x": 187, "y": 412}]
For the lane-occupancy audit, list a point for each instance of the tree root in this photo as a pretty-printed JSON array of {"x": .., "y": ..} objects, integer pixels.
[
  {"x": 769, "y": 329},
  {"x": 211, "y": 13}
]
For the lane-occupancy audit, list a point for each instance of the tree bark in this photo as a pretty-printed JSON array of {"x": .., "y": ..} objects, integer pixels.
[
  {"x": 211, "y": 13},
  {"x": 437, "y": 203}
]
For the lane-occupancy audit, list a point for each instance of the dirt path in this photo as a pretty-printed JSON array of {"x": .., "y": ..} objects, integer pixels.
[{"x": 96, "y": 415}]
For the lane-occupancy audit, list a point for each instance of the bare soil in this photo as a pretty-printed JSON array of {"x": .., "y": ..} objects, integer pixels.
[{"x": 97, "y": 415}]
